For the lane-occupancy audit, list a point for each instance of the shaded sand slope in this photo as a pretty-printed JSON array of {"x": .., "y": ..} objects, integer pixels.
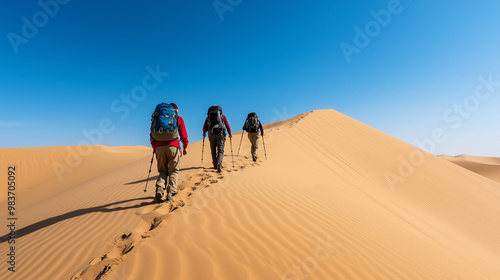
[
  {"x": 485, "y": 166},
  {"x": 97, "y": 205},
  {"x": 46, "y": 171},
  {"x": 62, "y": 224},
  {"x": 322, "y": 207}
]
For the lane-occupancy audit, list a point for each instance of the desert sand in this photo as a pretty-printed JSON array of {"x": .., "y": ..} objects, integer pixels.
[
  {"x": 335, "y": 199},
  {"x": 485, "y": 166}
]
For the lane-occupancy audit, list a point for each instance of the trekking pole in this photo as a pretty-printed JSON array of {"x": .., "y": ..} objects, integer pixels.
[
  {"x": 264, "y": 143},
  {"x": 232, "y": 158},
  {"x": 242, "y": 132},
  {"x": 202, "y": 149},
  {"x": 150, "y": 170}
]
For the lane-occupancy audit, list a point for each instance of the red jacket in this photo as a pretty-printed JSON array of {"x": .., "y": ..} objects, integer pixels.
[
  {"x": 182, "y": 133},
  {"x": 205, "y": 125}
]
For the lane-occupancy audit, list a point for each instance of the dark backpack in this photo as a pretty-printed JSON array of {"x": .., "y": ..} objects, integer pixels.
[
  {"x": 164, "y": 123},
  {"x": 253, "y": 123},
  {"x": 215, "y": 123}
]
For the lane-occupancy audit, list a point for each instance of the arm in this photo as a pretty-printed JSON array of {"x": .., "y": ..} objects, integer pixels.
[
  {"x": 154, "y": 143},
  {"x": 151, "y": 140},
  {"x": 183, "y": 133},
  {"x": 227, "y": 126},
  {"x": 245, "y": 126},
  {"x": 205, "y": 127},
  {"x": 261, "y": 128}
]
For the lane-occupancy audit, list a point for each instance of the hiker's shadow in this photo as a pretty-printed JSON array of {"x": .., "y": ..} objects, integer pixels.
[
  {"x": 80, "y": 212},
  {"x": 152, "y": 179}
]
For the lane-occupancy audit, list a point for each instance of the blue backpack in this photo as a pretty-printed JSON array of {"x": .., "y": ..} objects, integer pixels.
[{"x": 164, "y": 123}]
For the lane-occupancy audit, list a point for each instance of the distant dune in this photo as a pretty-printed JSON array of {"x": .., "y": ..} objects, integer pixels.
[
  {"x": 486, "y": 166},
  {"x": 335, "y": 199},
  {"x": 46, "y": 171}
]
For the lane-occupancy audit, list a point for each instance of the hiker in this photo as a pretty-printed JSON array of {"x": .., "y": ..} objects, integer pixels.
[
  {"x": 253, "y": 126},
  {"x": 216, "y": 124},
  {"x": 167, "y": 128}
]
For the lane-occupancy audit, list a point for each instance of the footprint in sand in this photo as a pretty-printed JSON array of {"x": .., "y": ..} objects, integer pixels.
[{"x": 153, "y": 216}]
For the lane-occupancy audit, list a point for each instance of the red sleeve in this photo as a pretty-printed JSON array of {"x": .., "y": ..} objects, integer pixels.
[
  {"x": 205, "y": 126},
  {"x": 155, "y": 144},
  {"x": 183, "y": 133},
  {"x": 227, "y": 124}
]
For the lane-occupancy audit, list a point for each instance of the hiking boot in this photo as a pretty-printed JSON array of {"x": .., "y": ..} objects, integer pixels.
[
  {"x": 170, "y": 196},
  {"x": 219, "y": 168},
  {"x": 254, "y": 159},
  {"x": 159, "y": 194}
]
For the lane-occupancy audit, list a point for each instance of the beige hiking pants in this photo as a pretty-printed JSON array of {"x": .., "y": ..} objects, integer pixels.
[
  {"x": 168, "y": 158},
  {"x": 254, "y": 139}
]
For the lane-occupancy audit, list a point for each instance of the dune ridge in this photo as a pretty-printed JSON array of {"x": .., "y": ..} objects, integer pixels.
[{"x": 320, "y": 207}]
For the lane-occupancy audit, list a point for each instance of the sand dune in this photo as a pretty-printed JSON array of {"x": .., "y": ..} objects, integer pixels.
[
  {"x": 44, "y": 172},
  {"x": 336, "y": 199},
  {"x": 485, "y": 166}
]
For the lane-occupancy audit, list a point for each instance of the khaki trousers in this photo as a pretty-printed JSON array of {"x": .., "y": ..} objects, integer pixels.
[
  {"x": 254, "y": 139},
  {"x": 168, "y": 158},
  {"x": 217, "y": 143}
]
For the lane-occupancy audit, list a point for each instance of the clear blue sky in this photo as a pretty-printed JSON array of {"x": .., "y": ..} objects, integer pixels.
[{"x": 68, "y": 65}]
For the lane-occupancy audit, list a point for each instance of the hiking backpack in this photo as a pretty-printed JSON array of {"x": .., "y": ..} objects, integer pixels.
[
  {"x": 253, "y": 123},
  {"x": 164, "y": 123},
  {"x": 215, "y": 121}
]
